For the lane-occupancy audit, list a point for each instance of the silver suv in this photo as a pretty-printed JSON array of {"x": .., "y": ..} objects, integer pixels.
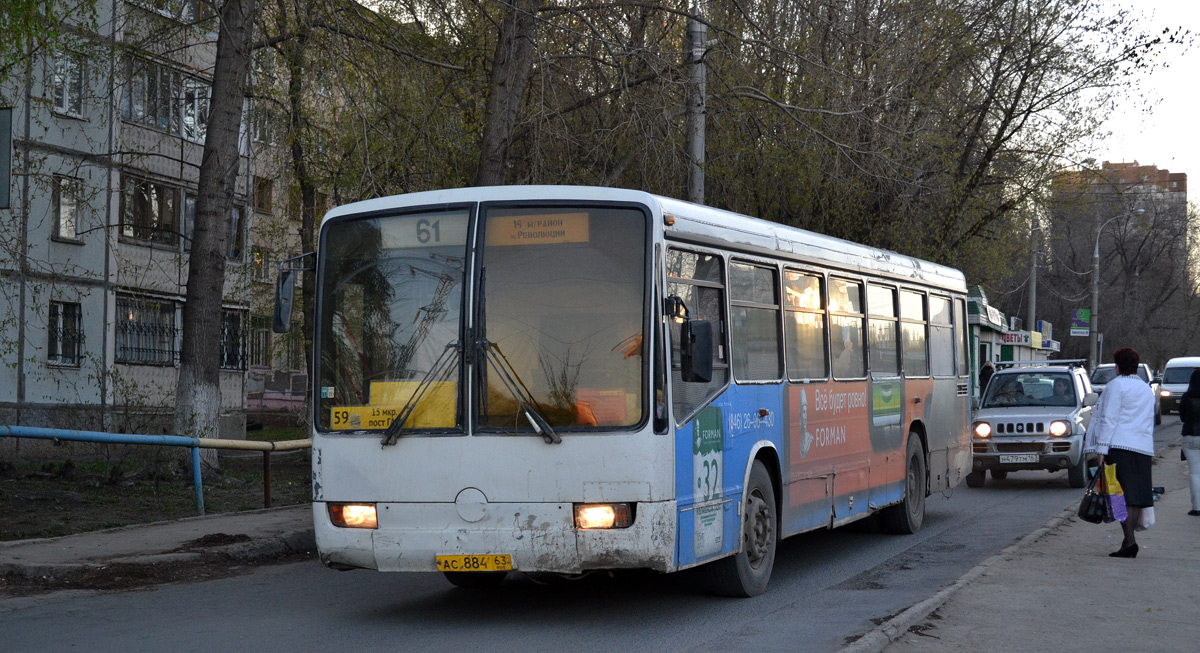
[{"x": 1033, "y": 416}]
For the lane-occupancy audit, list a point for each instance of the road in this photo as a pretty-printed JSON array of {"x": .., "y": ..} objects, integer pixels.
[{"x": 828, "y": 588}]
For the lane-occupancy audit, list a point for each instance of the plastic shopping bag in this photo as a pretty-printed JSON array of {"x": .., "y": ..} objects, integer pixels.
[
  {"x": 1146, "y": 520},
  {"x": 1114, "y": 496},
  {"x": 1110, "y": 479}
]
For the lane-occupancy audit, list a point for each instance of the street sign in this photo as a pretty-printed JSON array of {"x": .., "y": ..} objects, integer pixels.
[{"x": 1081, "y": 322}]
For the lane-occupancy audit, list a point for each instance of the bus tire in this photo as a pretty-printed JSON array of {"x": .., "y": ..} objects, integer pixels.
[
  {"x": 475, "y": 580},
  {"x": 747, "y": 572},
  {"x": 906, "y": 517}
]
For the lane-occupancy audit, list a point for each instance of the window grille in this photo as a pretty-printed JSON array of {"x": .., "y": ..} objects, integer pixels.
[
  {"x": 65, "y": 338},
  {"x": 146, "y": 331},
  {"x": 233, "y": 340}
]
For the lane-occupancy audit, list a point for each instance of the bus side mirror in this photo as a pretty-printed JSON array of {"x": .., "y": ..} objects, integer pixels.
[
  {"x": 695, "y": 351},
  {"x": 285, "y": 297}
]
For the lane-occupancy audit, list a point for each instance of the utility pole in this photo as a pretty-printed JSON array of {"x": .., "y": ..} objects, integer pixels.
[
  {"x": 1034, "y": 250},
  {"x": 697, "y": 38}
]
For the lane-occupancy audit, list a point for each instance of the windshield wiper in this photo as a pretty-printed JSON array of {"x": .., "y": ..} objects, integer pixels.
[
  {"x": 438, "y": 371},
  {"x": 512, "y": 382}
]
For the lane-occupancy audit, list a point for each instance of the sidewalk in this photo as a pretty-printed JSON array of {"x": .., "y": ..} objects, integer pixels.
[
  {"x": 1057, "y": 589},
  {"x": 243, "y": 536}
]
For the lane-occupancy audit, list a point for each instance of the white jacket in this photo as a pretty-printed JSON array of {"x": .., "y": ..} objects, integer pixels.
[{"x": 1123, "y": 418}]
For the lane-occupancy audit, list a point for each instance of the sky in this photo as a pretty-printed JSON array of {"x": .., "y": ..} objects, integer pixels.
[{"x": 1169, "y": 135}]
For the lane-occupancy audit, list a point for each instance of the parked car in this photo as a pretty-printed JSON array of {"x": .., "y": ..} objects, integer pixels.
[
  {"x": 1033, "y": 416},
  {"x": 1175, "y": 379},
  {"x": 1108, "y": 371}
]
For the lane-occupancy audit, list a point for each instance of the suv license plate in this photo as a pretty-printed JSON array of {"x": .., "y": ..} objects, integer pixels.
[
  {"x": 501, "y": 562},
  {"x": 1019, "y": 458}
]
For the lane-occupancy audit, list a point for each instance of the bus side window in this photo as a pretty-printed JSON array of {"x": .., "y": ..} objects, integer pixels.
[
  {"x": 913, "y": 335},
  {"x": 882, "y": 327},
  {"x": 699, "y": 280},
  {"x": 754, "y": 320},
  {"x": 941, "y": 337},
  {"x": 961, "y": 334},
  {"x": 846, "y": 321},
  {"x": 804, "y": 326}
]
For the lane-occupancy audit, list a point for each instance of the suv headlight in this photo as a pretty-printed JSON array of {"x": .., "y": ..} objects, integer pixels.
[
  {"x": 1059, "y": 428},
  {"x": 982, "y": 429}
]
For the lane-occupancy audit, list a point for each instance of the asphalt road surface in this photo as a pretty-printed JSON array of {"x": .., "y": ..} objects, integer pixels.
[{"x": 827, "y": 589}]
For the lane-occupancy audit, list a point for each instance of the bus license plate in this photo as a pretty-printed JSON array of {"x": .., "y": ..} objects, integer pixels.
[
  {"x": 1019, "y": 458},
  {"x": 502, "y": 562}
]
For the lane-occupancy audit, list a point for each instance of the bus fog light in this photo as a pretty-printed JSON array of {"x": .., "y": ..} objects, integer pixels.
[
  {"x": 602, "y": 515},
  {"x": 353, "y": 515}
]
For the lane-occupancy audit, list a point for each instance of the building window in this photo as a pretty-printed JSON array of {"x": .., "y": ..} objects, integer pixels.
[
  {"x": 150, "y": 211},
  {"x": 65, "y": 341},
  {"x": 66, "y": 207},
  {"x": 146, "y": 331},
  {"x": 196, "y": 98},
  {"x": 261, "y": 261},
  {"x": 161, "y": 98},
  {"x": 233, "y": 341},
  {"x": 260, "y": 341},
  {"x": 189, "y": 220},
  {"x": 237, "y": 233},
  {"x": 66, "y": 84},
  {"x": 262, "y": 194}
]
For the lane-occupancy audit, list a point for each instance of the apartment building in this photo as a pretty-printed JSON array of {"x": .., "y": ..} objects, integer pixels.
[{"x": 108, "y": 134}]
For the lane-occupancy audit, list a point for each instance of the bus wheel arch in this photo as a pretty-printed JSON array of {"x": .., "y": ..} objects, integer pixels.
[
  {"x": 906, "y": 517},
  {"x": 747, "y": 572}
]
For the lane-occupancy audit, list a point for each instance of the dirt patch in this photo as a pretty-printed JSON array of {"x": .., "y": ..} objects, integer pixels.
[
  {"x": 117, "y": 577},
  {"x": 54, "y": 498}
]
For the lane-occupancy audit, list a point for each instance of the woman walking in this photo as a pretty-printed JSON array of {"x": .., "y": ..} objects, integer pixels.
[
  {"x": 1189, "y": 414},
  {"x": 1123, "y": 424}
]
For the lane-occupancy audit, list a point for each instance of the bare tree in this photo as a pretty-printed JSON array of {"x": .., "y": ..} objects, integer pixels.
[{"x": 198, "y": 392}]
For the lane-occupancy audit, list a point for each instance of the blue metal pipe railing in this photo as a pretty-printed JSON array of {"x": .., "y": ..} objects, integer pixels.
[{"x": 164, "y": 440}]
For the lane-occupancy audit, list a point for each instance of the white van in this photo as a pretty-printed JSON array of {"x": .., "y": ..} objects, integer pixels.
[{"x": 1175, "y": 379}]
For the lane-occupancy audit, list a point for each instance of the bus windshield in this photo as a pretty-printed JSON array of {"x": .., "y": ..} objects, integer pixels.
[
  {"x": 391, "y": 308},
  {"x": 557, "y": 328},
  {"x": 563, "y": 292}
]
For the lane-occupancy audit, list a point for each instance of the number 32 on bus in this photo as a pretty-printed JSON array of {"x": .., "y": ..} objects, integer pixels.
[{"x": 568, "y": 379}]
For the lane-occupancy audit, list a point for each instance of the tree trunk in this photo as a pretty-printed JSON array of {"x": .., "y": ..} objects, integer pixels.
[
  {"x": 509, "y": 79},
  {"x": 198, "y": 391}
]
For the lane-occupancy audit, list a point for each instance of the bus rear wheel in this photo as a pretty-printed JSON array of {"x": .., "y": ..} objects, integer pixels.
[
  {"x": 475, "y": 580},
  {"x": 747, "y": 572},
  {"x": 906, "y": 517}
]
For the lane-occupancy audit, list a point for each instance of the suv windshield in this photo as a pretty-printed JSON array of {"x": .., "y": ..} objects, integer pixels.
[{"x": 1030, "y": 389}]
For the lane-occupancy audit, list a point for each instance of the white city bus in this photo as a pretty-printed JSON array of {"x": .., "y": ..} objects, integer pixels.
[{"x": 567, "y": 379}]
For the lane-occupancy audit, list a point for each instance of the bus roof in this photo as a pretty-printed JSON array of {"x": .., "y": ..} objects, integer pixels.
[{"x": 701, "y": 225}]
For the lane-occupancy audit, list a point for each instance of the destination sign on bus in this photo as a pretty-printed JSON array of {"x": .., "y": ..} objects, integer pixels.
[
  {"x": 424, "y": 230},
  {"x": 538, "y": 229}
]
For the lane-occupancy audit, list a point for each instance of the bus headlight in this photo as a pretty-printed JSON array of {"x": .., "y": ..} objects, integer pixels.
[
  {"x": 1059, "y": 429},
  {"x": 982, "y": 429},
  {"x": 602, "y": 515},
  {"x": 353, "y": 515}
]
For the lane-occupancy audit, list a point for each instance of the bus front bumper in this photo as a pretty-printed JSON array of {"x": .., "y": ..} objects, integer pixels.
[{"x": 539, "y": 537}]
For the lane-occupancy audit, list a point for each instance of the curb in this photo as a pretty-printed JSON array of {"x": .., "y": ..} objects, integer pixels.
[{"x": 892, "y": 629}]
